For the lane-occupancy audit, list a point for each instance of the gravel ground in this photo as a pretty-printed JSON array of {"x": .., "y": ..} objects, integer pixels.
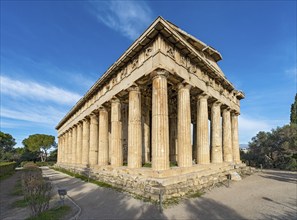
[
  {"x": 265, "y": 195},
  {"x": 7, "y": 211}
]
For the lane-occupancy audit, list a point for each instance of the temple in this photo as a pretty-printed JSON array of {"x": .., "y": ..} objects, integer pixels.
[{"x": 163, "y": 115}]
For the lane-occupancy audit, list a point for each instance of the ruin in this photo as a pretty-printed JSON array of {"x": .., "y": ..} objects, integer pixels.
[{"x": 162, "y": 116}]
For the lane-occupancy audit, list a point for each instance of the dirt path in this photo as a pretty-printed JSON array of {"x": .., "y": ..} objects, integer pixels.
[
  {"x": 7, "y": 211},
  {"x": 266, "y": 195}
]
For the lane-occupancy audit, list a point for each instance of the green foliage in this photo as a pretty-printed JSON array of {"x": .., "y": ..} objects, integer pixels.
[
  {"x": 6, "y": 146},
  {"x": 37, "y": 191},
  {"x": 293, "y": 116},
  {"x": 147, "y": 165},
  {"x": 85, "y": 178},
  {"x": 53, "y": 155},
  {"x": 20, "y": 203},
  {"x": 57, "y": 213},
  {"x": 40, "y": 143},
  {"x": 48, "y": 163},
  {"x": 17, "y": 191},
  {"x": 6, "y": 168},
  {"x": 275, "y": 149}
]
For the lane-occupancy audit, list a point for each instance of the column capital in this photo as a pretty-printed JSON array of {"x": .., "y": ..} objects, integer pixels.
[
  {"x": 102, "y": 108},
  {"x": 234, "y": 112},
  {"x": 227, "y": 109},
  {"x": 86, "y": 119},
  {"x": 203, "y": 95},
  {"x": 115, "y": 99},
  {"x": 159, "y": 73},
  {"x": 93, "y": 115},
  {"x": 183, "y": 85},
  {"x": 216, "y": 103},
  {"x": 134, "y": 87}
]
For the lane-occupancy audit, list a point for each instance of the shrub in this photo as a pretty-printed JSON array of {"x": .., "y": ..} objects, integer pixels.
[
  {"x": 6, "y": 168},
  {"x": 37, "y": 191},
  {"x": 48, "y": 163}
]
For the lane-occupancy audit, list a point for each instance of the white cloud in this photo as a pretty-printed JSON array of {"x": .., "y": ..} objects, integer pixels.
[
  {"x": 249, "y": 127},
  {"x": 40, "y": 115},
  {"x": 128, "y": 17},
  {"x": 35, "y": 91}
]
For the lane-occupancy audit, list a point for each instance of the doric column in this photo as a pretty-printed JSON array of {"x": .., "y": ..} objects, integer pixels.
[
  {"x": 63, "y": 148},
  {"x": 235, "y": 143},
  {"x": 116, "y": 133},
  {"x": 93, "y": 154},
  {"x": 66, "y": 146},
  {"x": 86, "y": 141},
  {"x": 203, "y": 151},
  {"x": 69, "y": 146},
  {"x": 103, "y": 137},
  {"x": 134, "y": 128},
  {"x": 184, "y": 126},
  {"x": 173, "y": 136},
  {"x": 146, "y": 134},
  {"x": 216, "y": 133},
  {"x": 160, "y": 130},
  {"x": 227, "y": 140},
  {"x": 79, "y": 138},
  {"x": 74, "y": 143},
  {"x": 59, "y": 149}
]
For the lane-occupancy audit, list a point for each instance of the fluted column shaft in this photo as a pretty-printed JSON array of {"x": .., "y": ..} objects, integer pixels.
[
  {"x": 66, "y": 147},
  {"x": 93, "y": 154},
  {"x": 203, "y": 151},
  {"x": 79, "y": 138},
  {"x": 69, "y": 146},
  {"x": 59, "y": 149},
  {"x": 74, "y": 143},
  {"x": 86, "y": 141},
  {"x": 216, "y": 134},
  {"x": 173, "y": 137},
  {"x": 63, "y": 149},
  {"x": 184, "y": 127},
  {"x": 227, "y": 140},
  {"x": 116, "y": 133},
  {"x": 134, "y": 128},
  {"x": 235, "y": 143},
  {"x": 103, "y": 137},
  {"x": 160, "y": 130},
  {"x": 146, "y": 135}
]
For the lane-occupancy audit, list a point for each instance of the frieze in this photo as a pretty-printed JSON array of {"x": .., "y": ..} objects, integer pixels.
[
  {"x": 170, "y": 52},
  {"x": 148, "y": 51},
  {"x": 134, "y": 64}
]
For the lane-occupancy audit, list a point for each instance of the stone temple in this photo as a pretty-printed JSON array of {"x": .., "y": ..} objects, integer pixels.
[{"x": 163, "y": 116}]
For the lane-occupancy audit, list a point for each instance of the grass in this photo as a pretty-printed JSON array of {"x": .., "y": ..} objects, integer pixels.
[
  {"x": 20, "y": 203},
  {"x": 17, "y": 191},
  {"x": 85, "y": 178},
  {"x": 6, "y": 175},
  {"x": 195, "y": 194},
  {"x": 52, "y": 214}
]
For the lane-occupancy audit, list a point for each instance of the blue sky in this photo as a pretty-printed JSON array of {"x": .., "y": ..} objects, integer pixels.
[{"x": 53, "y": 51}]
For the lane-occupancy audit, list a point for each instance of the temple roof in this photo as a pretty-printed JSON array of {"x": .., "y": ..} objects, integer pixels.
[{"x": 196, "y": 50}]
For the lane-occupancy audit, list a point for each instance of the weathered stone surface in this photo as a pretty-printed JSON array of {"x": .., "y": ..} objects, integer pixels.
[{"x": 144, "y": 110}]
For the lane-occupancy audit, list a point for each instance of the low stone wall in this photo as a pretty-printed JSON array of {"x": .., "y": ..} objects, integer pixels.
[{"x": 139, "y": 182}]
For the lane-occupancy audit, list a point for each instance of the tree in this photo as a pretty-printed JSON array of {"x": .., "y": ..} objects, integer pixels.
[
  {"x": 293, "y": 116},
  {"x": 6, "y": 145},
  {"x": 277, "y": 148},
  {"x": 40, "y": 143}
]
